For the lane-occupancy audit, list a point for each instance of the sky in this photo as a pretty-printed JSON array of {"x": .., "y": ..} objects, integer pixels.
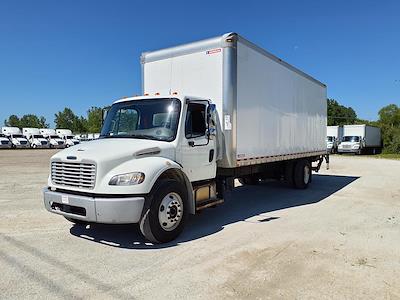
[{"x": 78, "y": 54}]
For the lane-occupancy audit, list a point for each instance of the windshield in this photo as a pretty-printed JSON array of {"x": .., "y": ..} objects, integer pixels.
[
  {"x": 2, "y": 135},
  {"x": 38, "y": 136},
  {"x": 53, "y": 136},
  {"x": 329, "y": 138},
  {"x": 353, "y": 139},
  {"x": 17, "y": 136},
  {"x": 155, "y": 119}
]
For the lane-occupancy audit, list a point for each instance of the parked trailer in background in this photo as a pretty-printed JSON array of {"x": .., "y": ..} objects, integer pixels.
[
  {"x": 212, "y": 111},
  {"x": 54, "y": 140},
  {"x": 15, "y": 136},
  {"x": 5, "y": 143},
  {"x": 68, "y": 137},
  {"x": 333, "y": 136},
  {"x": 360, "y": 139},
  {"x": 35, "y": 138}
]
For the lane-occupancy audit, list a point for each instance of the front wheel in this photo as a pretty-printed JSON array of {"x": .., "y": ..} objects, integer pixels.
[{"x": 164, "y": 219}]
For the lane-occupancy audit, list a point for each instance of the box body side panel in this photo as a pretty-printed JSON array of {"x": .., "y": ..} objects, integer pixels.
[{"x": 279, "y": 111}]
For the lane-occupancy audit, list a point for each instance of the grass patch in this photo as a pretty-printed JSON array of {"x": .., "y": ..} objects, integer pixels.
[{"x": 386, "y": 156}]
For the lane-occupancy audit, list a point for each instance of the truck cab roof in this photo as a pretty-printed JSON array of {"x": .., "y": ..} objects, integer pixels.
[{"x": 151, "y": 97}]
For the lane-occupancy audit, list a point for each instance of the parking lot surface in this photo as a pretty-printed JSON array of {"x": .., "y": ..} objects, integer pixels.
[{"x": 338, "y": 239}]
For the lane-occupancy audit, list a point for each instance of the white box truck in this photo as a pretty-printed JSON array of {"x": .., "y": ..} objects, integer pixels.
[
  {"x": 334, "y": 135},
  {"x": 54, "y": 140},
  {"x": 5, "y": 143},
  {"x": 211, "y": 111},
  {"x": 15, "y": 136},
  {"x": 68, "y": 137},
  {"x": 360, "y": 139},
  {"x": 35, "y": 138}
]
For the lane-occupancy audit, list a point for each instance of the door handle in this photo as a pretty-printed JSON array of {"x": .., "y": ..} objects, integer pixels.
[{"x": 211, "y": 155}]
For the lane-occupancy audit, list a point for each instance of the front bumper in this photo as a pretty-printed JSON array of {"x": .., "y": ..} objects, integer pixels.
[
  {"x": 5, "y": 146},
  {"x": 122, "y": 210},
  {"x": 46, "y": 146},
  {"x": 347, "y": 150},
  {"x": 22, "y": 146},
  {"x": 58, "y": 146}
]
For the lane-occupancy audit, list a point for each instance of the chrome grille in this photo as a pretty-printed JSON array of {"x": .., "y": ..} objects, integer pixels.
[
  {"x": 80, "y": 175},
  {"x": 347, "y": 146}
]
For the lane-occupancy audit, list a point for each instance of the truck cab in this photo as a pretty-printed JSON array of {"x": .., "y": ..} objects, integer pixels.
[
  {"x": 35, "y": 138},
  {"x": 331, "y": 144},
  {"x": 4, "y": 141},
  {"x": 68, "y": 138},
  {"x": 148, "y": 146},
  {"x": 351, "y": 144},
  {"x": 53, "y": 139},
  {"x": 15, "y": 136}
]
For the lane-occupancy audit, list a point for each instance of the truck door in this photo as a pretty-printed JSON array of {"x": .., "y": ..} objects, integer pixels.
[{"x": 197, "y": 150}]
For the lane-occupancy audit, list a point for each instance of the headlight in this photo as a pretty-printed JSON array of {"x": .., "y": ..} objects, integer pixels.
[
  {"x": 127, "y": 179},
  {"x": 356, "y": 146}
]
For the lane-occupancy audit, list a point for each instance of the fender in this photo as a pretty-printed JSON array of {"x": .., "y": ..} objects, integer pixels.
[{"x": 153, "y": 168}]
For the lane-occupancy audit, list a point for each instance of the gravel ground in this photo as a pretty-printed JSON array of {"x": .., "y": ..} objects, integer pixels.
[{"x": 338, "y": 239}]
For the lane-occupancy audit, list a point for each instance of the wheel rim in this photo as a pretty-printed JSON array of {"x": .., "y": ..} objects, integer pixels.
[
  {"x": 170, "y": 211},
  {"x": 306, "y": 174}
]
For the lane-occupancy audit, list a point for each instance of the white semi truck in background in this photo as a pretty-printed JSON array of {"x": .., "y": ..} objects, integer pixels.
[
  {"x": 35, "y": 138},
  {"x": 68, "y": 137},
  {"x": 211, "y": 111},
  {"x": 333, "y": 137},
  {"x": 360, "y": 139},
  {"x": 54, "y": 140},
  {"x": 4, "y": 142},
  {"x": 15, "y": 136}
]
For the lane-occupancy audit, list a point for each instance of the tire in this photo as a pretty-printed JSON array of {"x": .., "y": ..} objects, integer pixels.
[
  {"x": 77, "y": 222},
  {"x": 249, "y": 180},
  {"x": 302, "y": 174},
  {"x": 164, "y": 218},
  {"x": 289, "y": 173}
]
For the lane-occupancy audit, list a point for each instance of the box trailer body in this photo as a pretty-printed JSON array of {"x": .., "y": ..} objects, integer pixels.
[
  {"x": 212, "y": 111},
  {"x": 268, "y": 109},
  {"x": 15, "y": 136},
  {"x": 68, "y": 137},
  {"x": 35, "y": 138},
  {"x": 54, "y": 140},
  {"x": 333, "y": 136},
  {"x": 360, "y": 139}
]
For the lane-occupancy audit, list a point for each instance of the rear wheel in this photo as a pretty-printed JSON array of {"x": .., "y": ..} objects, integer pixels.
[
  {"x": 164, "y": 220},
  {"x": 302, "y": 174}
]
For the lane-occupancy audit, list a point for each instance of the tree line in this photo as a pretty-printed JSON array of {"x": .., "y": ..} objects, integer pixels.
[
  {"x": 66, "y": 119},
  {"x": 388, "y": 121}
]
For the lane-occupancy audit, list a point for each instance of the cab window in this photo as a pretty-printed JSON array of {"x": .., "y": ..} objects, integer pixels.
[{"x": 195, "y": 125}]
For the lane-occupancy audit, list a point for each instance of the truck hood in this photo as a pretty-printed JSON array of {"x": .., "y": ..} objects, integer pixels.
[{"x": 114, "y": 151}]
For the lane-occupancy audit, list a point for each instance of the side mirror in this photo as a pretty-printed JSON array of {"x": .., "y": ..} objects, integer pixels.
[{"x": 104, "y": 113}]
